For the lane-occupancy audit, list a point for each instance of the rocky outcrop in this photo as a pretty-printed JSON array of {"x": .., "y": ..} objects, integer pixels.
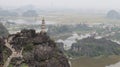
[
  {"x": 38, "y": 50},
  {"x": 92, "y": 47},
  {"x": 60, "y": 45}
]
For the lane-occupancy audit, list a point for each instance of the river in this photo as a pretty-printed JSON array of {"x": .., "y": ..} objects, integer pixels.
[
  {"x": 114, "y": 65},
  {"x": 72, "y": 39}
]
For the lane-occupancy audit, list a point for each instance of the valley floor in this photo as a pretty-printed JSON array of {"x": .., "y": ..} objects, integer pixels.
[{"x": 95, "y": 62}]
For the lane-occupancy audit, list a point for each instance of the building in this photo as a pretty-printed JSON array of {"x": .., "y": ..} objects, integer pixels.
[{"x": 43, "y": 26}]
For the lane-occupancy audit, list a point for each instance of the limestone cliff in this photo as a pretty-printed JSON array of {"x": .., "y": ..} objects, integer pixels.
[
  {"x": 35, "y": 50},
  {"x": 92, "y": 47}
]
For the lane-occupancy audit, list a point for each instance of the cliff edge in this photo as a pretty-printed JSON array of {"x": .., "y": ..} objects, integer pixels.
[{"x": 34, "y": 50}]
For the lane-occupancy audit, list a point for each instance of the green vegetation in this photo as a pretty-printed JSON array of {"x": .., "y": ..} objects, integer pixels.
[
  {"x": 23, "y": 65},
  {"x": 3, "y": 30},
  {"x": 91, "y": 47},
  {"x": 67, "y": 29}
]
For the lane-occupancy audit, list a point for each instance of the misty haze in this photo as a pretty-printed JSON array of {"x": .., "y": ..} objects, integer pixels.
[{"x": 59, "y": 33}]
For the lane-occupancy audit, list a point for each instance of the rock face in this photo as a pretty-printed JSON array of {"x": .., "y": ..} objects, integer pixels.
[
  {"x": 60, "y": 45},
  {"x": 95, "y": 47},
  {"x": 38, "y": 49},
  {"x": 113, "y": 15}
]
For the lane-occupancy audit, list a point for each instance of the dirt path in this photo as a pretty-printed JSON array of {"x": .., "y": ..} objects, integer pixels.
[{"x": 14, "y": 53}]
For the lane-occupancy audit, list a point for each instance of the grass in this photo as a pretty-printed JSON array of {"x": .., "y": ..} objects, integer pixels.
[{"x": 95, "y": 62}]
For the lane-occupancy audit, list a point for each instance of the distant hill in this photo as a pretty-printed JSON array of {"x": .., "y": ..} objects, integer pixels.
[
  {"x": 30, "y": 13},
  {"x": 3, "y": 30},
  {"x": 92, "y": 47},
  {"x": 112, "y": 14},
  {"x": 7, "y": 13}
]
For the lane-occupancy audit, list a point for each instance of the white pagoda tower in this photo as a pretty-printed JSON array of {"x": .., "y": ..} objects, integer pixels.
[{"x": 43, "y": 26}]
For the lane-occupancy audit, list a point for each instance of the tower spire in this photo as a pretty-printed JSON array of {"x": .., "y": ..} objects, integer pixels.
[{"x": 43, "y": 26}]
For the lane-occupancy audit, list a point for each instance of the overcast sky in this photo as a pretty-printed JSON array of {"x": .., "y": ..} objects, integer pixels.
[{"x": 74, "y": 4}]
